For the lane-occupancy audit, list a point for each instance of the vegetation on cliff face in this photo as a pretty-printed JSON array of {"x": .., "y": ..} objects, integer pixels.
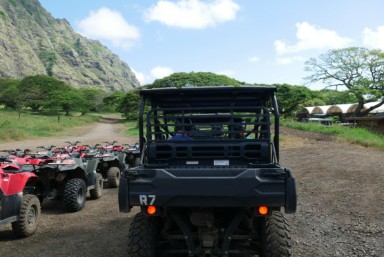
[{"x": 32, "y": 42}]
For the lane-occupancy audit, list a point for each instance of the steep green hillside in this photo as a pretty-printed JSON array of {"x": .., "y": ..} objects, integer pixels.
[{"x": 32, "y": 42}]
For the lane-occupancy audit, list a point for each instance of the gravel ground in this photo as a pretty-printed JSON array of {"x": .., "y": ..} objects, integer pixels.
[
  {"x": 340, "y": 196},
  {"x": 340, "y": 202}
]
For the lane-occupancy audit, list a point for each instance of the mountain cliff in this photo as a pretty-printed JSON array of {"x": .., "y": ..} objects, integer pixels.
[{"x": 32, "y": 42}]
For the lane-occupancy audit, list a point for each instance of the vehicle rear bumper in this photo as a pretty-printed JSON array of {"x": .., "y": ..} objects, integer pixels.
[{"x": 205, "y": 187}]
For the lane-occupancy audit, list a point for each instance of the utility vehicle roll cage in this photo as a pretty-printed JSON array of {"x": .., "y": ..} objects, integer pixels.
[{"x": 223, "y": 122}]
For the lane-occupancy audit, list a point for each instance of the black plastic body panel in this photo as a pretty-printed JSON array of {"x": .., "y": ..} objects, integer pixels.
[
  {"x": 9, "y": 208},
  {"x": 123, "y": 195},
  {"x": 175, "y": 153},
  {"x": 206, "y": 187}
]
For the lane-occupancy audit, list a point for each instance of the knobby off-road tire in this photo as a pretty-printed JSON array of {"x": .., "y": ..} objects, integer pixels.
[
  {"x": 97, "y": 191},
  {"x": 113, "y": 177},
  {"x": 276, "y": 236},
  {"x": 142, "y": 236},
  {"x": 75, "y": 194},
  {"x": 30, "y": 210}
]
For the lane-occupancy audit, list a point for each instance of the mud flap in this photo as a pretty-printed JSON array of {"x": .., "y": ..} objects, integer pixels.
[
  {"x": 290, "y": 195},
  {"x": 10, "y": 208},
  {"x": 124, "y": 205},
  {"x": 121, "y": 157},
  {"x": 91, "y": 172}
]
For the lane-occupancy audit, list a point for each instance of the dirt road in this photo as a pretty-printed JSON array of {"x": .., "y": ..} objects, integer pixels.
[
  {"x": 340, "y": 203},
  {"x": 107, "y": 130},
  {"x": 340, "y": 196}
]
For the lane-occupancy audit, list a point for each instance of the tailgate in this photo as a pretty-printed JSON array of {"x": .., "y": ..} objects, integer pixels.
[{"x": 207, "y": 187}]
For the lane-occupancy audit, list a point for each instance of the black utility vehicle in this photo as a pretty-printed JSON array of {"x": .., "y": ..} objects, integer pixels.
[{"x": 209, "y": 182}]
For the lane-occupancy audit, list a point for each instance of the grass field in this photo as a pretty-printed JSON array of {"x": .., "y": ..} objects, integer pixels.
[
  {"x": 359, "y": 136},
  {"x": 132, "y": 128},
  {"x": 19, "y": 126}
]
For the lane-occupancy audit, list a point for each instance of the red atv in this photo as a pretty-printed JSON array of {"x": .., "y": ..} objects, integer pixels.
[
  {"x": 65, "y": 152},
  {"x": 18, "y": 157},
  {"x": 26, "y": 160},
  {"x": 19, "y": 203}
]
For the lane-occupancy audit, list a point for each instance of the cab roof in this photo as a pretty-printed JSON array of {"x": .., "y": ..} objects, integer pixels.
[{"x": 223, "y": 96}]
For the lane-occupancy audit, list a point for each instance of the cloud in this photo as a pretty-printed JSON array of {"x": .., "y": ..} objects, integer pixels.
[
  {"x": 310, "y": 37},
  {"x": 140, "y": 77},
  {"x": 160, "y": 72},
  {"x": 192, "y": 14},
  {"x": 374, "y": 39},
  {"x": 107, "y": 25},
  {"x": 157, "y": 72},
  {"x": 253, "y": 59},
  {"x": 290, "y": 60}
]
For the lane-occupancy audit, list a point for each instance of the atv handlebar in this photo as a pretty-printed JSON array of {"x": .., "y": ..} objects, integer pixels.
[
  {"x": 46, "y": 147},
  {"x": 5, "y": 159},
  {"x": 110, "y": 143},
  {"x": 72, "y": 143}
]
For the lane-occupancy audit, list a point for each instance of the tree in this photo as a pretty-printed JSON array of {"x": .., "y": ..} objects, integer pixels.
[
  {"x": 291, "y": 98},
  {"x": 318, "y": 99},
  {"x": 201, "y": 79},
  {"x": 9, "y": 93},
  {"x": 46, "y": 92},
  {"x": 94, "y": 98},
  {"x": 114, "y": 100},
  {"x": 73, "y": 100},
  {"x": 42, "y": 91},
  {"x": 130, "y": 105},
  {"x": 333, "y": 97},
  {"x": 360, "y": 70}
]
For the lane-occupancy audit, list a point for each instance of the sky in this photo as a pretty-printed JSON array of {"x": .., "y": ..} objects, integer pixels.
[{"x": 253, "y": 41}]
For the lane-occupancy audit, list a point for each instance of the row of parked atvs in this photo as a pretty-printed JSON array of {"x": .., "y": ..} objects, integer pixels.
[{"x": 65, "y": 173}]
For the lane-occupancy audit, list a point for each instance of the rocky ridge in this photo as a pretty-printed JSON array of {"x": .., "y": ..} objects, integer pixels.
[{"x": 33, "y": 42}]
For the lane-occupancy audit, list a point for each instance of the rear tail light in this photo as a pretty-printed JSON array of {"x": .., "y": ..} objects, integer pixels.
[
  {"x": 151, "y": 210},
  {"x": 263, "y": 210}
]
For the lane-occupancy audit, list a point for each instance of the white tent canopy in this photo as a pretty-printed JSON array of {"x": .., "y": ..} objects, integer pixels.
[
  {"x": 307, "y": 110},
  {"x": 321, "y": 109},
  {"x": 340, "y": 108}
]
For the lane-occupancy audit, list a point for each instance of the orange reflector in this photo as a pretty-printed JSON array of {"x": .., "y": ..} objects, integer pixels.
[
  {"x": 151, "y": 210},
  {"x": 263, "y": 210}
]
